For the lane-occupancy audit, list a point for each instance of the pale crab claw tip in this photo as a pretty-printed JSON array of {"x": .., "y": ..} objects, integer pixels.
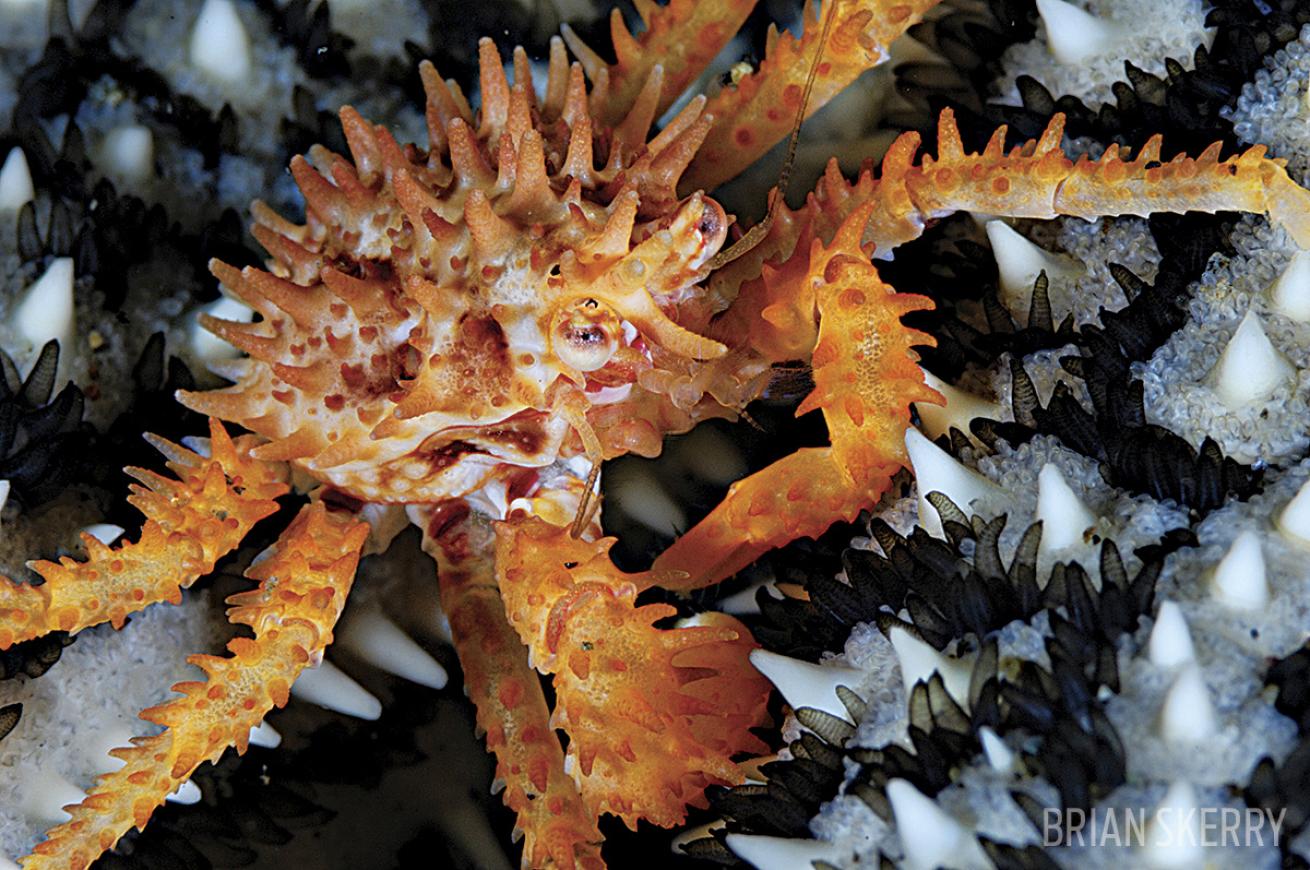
[
  {"x": 105, "y": 533},
  {"x": 919, "y": 662},
  {"x": 15, "y": 181},
  {"x": 4, "y": 493},
  {"x": 265, "y": 735},
  {"x": 999, "y": 755},
  {"x": 804, "y": 684},
  {"x": 1250, "y": 368},
  {"x": 328, "y": 686},
  {"x": 1187, "y": 715},
  {"x": 781, "y": 853},
  {"x": 373, "y": 637},
  {"x": 1065, "y": 518},
  {"x": 745, "y": 603},
  {"x": 186, "y": 794},
  {"x": 208, "y": 347},
  {"x": 46, "y": 309},
  {"x": 46, "y": 796},
  {"x": 1239, "y": 580},
  {"x": 1294, "y": 519},
  {"x": 220, "y": 47},
  {"x": 1289, "y": 295},
  {"x": 1073, "y": 35},
  {"x": 1173, "y": 836},
  {"x": 935, "y": 470},
  {"x": 961, "y": 408},
  {"x": 929, "y": 836},
  {"x": 1019, "y": 262},
  {"x": 1170, "y": 644},
  {"x": 128, "y": 152}
]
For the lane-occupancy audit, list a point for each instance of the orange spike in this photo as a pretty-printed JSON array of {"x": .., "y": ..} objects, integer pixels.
[
  {"x": 295, "y": 300},
  {"x": 615, "y": 240},
  {"x": 495, "y": 90},
  {"x": 532, "y": 196},
  {"x": 523, "y": 74},
  {"x": 363, "y": 145},
  {"x": 240, "y": 335},
  {"x": 626, "y": 47},
  {"x": 631, "y": 132},
  {"x": 575, "y": 98},
  {"x": 689, "y": 115},
  {"x": 320, "y": 196},
  {"x": 949, "y": 146},
  {"x": 493, "y": 236},
  {"x": 578, "y": 163},
  {"x": 470, "y": 167},
  {"x": 365, "y": 298},
  {"x": 1051, "y": 136},
  {"x": 520, "y": 111},
  {"x": 440, "y": 108},
  {"x": 317, "y": 379},
  {"x": 557, "y": 80}
]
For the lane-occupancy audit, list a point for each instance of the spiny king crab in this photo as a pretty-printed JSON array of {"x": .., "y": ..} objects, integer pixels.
[{"x": 469, "y": 330}]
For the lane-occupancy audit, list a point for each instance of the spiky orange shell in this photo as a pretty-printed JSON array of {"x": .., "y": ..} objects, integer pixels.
[{"x": 408, "y": 345}]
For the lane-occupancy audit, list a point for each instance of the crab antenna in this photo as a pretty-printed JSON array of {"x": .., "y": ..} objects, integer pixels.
[{"x": 777, "y": 196}]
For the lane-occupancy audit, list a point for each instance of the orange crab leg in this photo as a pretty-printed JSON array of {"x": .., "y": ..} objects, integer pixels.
[
  {"x": 653, "y": 715},
  {"x": 191, "y": 523},
  {"x": 302, "y": 590},
  {"x": 865, "y": 377},
  {"x": 759, "y": 110},
  {"x": 511, "y": 708},
  {"x": 681, "y": 38}
]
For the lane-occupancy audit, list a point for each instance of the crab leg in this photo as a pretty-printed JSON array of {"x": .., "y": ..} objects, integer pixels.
[
  {"x": 681, "y": 38},
  {"x": 1037, "y": 180},
  {"x": 865, "y": 379},
  {"x": 759, "y": 110},
  {"x": 511, "y": 708},
  {"x": 191, "y": 523},
  {"x": 302, "y": 589}
]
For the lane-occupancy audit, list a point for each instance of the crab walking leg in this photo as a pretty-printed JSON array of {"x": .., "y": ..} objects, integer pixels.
[
  {"x": 759, "y": 110},
  {"x": 303, "y": 583},
  {"x": 653, "y": 715},
  {"x": 191, "y": 523},
  {"x": 681, "y": 38},
  {"x": 865, "y": 378},
  {"x": 511, "y": 708},
  {"x": 1037, "y": 180}
]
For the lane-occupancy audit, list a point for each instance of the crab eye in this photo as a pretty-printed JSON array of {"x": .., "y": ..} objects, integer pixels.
[{"x": 586, "y": 334}]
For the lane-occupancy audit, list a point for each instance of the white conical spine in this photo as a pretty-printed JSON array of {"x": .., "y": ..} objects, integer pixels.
[
  {"x": 4, "y": 493},
  {"x": 1240, "y": 580},
  {"x": 1170, "y": 645},
  {"x": 1019, "y": 262},
  {"x": 935, "y": 470},
  {"x": 377, "y": 640},
  {"x": 1250, "y": 368},
  {"x": 1173, "y": 836},
  {"x": 1073, "y": 35},
  {"x": 185, "y": 794},
  {"x": 46, "y": 311},
  {"x": 807, "y": 685},
  {"x": 327, "y": 686},
  {"x": 1290, "y": 294},
  {"x": 1187, "y": 715},
  {"x": 999, "y": 755},
  {"x": 1294, "y": 518},
  {"x": 1065, "y": 519},
  {"x": 15, "y": 181},
  {"x": 930, "y": 838},
  {"x": 265, "y": 735},
  {"x": 960, "y": 410},
  {"x": 45, "y": 796},
  {"x": 220, "y": 47},
  {"x": 128, "y": 153},
  {"x": 782, "y": 853},
  {"x": 919, "y": 662},
  {"x": 105, "y": 533}
]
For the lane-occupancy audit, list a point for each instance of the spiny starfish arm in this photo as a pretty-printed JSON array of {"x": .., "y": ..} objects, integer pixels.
[
  {"x": 303, "y": 585},
  {"x": 757, "y": 112},
  {"x": 511, "y": 708},
  {"x": 191, "y": 522},
  {"x": 865, "y": 375},
  {"x": 653, "y": 715}
]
